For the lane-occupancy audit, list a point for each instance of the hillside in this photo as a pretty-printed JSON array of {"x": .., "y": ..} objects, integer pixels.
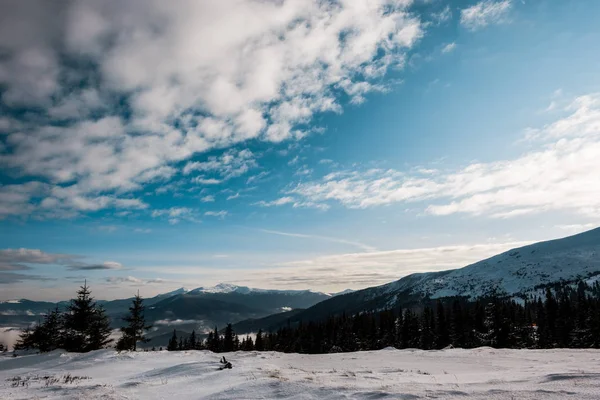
[{"x": 518, "y": 272}]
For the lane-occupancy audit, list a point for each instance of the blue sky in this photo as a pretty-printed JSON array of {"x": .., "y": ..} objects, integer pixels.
[{"x": 291, "y": 145}]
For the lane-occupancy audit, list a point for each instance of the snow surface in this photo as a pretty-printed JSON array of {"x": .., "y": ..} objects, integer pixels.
[{"x": 482, "y": 373}]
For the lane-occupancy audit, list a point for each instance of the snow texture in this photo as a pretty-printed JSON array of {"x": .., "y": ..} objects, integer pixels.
[{"x": 482, "y": 373}]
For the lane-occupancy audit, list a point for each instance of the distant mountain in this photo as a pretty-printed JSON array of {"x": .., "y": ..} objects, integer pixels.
[
  {"x": 520, "y": 272},
  {"x": 225, "y": 288},
  {"x": 198, "y": 309},
  {"x": 268, "y": 323}
]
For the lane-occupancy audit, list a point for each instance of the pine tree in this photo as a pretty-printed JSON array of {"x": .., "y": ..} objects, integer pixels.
[
  {"x": 136, "y": 326},
  {"x": 50, "y": 332},
  {"x": 258, "y": 343},
  {"x": 192, "y": 341},
  {"x": 27, "y": 339},
  {"x": 228, "y": 340},
  {"x": 442, "y": 337},
  {"x": 87, "y": 326},
  {"x": 99, "y": 330},
  {"x": 173, "y": 343}
]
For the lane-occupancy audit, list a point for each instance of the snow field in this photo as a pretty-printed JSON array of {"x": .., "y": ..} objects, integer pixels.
[{"x": 482, "y": 373}]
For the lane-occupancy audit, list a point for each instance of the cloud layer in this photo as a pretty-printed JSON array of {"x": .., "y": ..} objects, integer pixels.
[
  {"x": 560, "y": 175},
  {"x": 119, "y": 94}
]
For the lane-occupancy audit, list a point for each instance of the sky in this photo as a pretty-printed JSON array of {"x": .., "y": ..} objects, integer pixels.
[{"x": 290, "y": 144}]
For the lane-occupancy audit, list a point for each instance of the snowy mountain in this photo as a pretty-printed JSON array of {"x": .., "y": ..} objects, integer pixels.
[
  {"x": 198, "y": 309},
  {"x": 516, "y": 273},
  {"x": 519, "y": 271},
  {"x": 230, "y": 288}
]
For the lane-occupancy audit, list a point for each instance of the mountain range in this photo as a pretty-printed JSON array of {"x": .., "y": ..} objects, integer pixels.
[{"x": 520, "y": 273}]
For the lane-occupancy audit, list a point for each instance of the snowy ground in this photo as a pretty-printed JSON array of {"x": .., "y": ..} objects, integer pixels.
[{"x": 482, "y": 373}]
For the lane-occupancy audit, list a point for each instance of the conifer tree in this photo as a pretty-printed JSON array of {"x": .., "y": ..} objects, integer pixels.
[
  {"x": 50, "y": 332},
  {"x": 87, "y": 326},
  {"x": 229, "y": 339},
  {"x": 173, "y": 343},
  {"x": 192, "y": 341},
  {"x": 258, "y": 343},
  {"x": 136, "y": 326}
]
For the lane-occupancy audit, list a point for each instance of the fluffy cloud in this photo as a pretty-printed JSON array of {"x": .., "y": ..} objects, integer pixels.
[
  {"x": 485, "y": 13},
  {"x": 229, "y": 165},
  {"x": 559, "y": 175},
  {"x": 117, "y": 103}
]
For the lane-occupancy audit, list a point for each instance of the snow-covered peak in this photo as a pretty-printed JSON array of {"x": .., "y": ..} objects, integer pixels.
[
  {"x": 11, "y": 302},
  {"x": 174, "y": 292},
  {"x": 222, "y": 288},
  {"x": 517, "y": 271},
  {"x": 231, "y": 288}
]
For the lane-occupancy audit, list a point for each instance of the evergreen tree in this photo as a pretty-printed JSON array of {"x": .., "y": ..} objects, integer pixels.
[
  {"x": 99, "y": 330},
  {"x": 258, "y": 343},
  {"x": 442, "y": 333},
  {"x": 28, "y": 339},
  {"x": 192, "y": 341},
  {"x": 86, "y": 325},
  {"x": 229, "y": 339},
  {"x": 173, "y": 343},
  {"x": 136, "y": 326},
  {"x": 50, "y": 332}
]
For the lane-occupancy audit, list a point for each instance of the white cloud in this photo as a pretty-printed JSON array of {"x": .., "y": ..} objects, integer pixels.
[
  {"x": 559, "y": 175},
  {"x": 233, "y": 196},
  {"x": 214, "y": 75},
  {"x": 450, "y": 47},
  {"x": 219, "y": 214},
  {"x": 484, "y": 13},
  {"x": 206, "y": 181},
  {"x": 142, "y": 230},
  {"x": 442, "y": 16},
  {"x": 133, "y": 280},
  {"x": 278, "y": 202},
  {"x": 175, "y": 214},
  {"x": 229, "y": 165},
  {"x": 258, "y": 177},
  {"x": 207, "y": 199}
]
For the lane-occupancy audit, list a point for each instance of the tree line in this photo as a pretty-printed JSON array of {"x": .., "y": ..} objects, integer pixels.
[
  {"x": 84, "y": 326},
  {"x": 564, "y": 316}
]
